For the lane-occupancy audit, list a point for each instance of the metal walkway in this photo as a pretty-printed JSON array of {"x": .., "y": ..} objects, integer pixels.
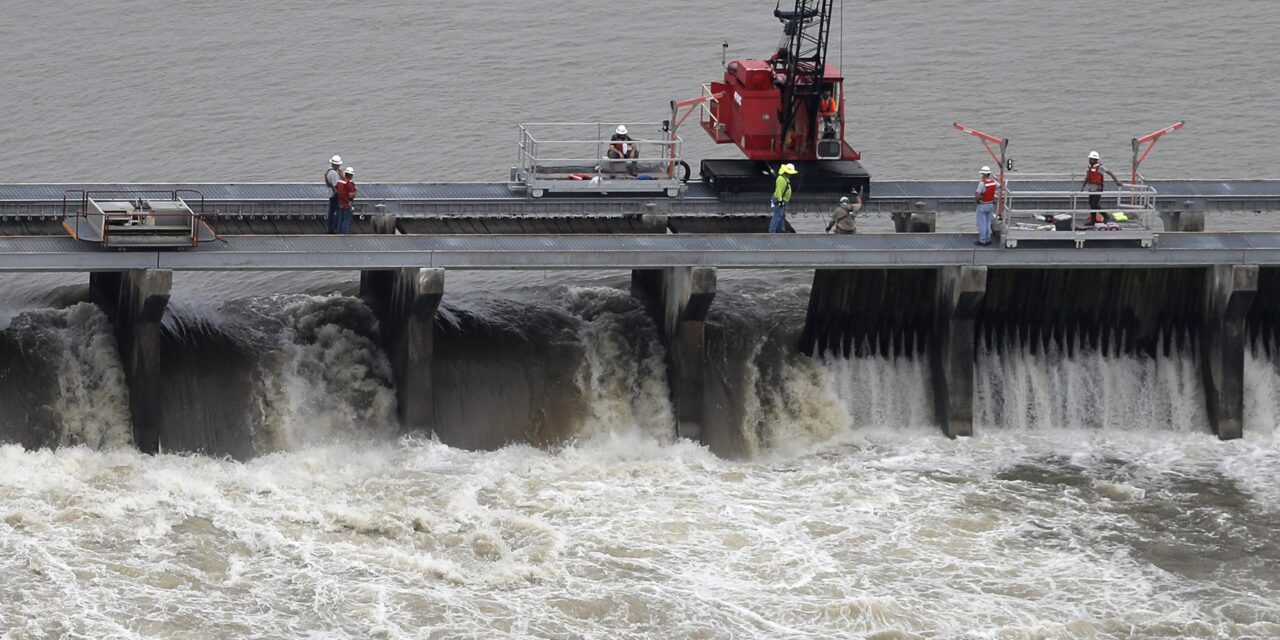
[
  {"x": 500, "y": 199},
  {"x": 537, "y": 252}
]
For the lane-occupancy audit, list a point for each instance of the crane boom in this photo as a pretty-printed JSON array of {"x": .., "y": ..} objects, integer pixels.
[{"x": 806, "y": 30}]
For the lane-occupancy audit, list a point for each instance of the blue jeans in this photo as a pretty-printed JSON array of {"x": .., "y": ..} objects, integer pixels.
[
  {"x": 778, "y": 223},
  {"x": 343, "y": 221},
  {"x": 986, "y": 213},
  {"x": 332, "y": 227}
]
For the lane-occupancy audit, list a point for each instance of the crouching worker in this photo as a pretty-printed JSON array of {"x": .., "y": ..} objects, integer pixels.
[
  {"x": 622, "y": 147},
  {"x": 844, "y": 217}
]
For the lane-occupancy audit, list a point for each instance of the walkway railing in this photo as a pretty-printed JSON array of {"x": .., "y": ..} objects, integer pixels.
[
  {"x": 575, "y": 157},
  {"x": 1127, "y": 212}
]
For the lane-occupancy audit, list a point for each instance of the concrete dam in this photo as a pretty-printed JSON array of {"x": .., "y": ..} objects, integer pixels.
[{"x": 959, "y": 335}]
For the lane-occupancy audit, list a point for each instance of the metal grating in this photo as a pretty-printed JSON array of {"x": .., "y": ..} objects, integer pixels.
[{"x": 322, "y": 252}]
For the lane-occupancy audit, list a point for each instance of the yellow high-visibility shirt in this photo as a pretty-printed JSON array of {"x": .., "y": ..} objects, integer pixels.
[{"x": 782, "y": 190}]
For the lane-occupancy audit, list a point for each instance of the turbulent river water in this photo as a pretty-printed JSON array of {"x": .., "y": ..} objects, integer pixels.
[{"x": 1092, "y": 501}]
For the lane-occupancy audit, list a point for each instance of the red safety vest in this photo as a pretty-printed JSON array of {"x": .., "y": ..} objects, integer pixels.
[
  {"x": 346, "y": 193},
  {"x": 989, "y": 185},
  {"x": 623, "y": 145},
  {"x": 1093, "y": 175}
]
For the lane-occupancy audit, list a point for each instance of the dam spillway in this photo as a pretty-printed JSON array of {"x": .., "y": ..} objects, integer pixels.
[{"x": 933, "y": 297}]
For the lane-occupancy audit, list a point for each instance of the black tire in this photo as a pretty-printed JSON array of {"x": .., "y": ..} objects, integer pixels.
[{"x": 687, "y": 171}]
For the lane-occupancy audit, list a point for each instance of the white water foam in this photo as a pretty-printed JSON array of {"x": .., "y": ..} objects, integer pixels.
[
  {"x": 857, "y": 520},
  {"x": 1013, "y": 535}
]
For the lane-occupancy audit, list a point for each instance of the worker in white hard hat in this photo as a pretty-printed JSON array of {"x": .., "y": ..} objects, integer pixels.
[
  {"x": 844, "y": 217},
  {"x": 346, "y": 191},
  {"x": 985, "y": 197},
  {"x": 781, "y": 196},
  {"x": 331, "y": 178},
  {"x": 622, "y": 147},
  {"x": 1093, "y": 182}
]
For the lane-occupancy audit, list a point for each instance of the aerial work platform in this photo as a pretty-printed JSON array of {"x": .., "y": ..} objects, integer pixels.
[
  {"x": 590, "y": 158},
  {"x": 1129, "y": 212}
]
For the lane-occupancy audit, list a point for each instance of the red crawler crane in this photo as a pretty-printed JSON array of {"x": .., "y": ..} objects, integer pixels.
[{"x": 788, "y": 108}]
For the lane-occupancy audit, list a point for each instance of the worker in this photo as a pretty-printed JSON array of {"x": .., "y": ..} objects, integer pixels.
[
  {"x": 622, "y": 147},
  {"x": 1093, "y": 181},
  {"x": 346, "y": 191},
  {"x": 781, "y": 196},
  {"x": 985, "y": 197},
  {"x": 844, "y": 217},
  {"x": 828, "y": 109},
  {"x": 780, "y": 60},
  {"x": 331, "y": 179}
]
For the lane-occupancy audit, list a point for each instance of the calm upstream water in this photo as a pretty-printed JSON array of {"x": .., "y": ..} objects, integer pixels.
[{"x": 1092, "y": 502}]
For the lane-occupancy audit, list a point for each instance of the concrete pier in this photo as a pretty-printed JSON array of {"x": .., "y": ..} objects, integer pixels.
[
  {"x": 1230, "y": 290},
  {"x": 960, "y": 291},
  {"x": 135, "y": 300},
  {"x": 1188, "y": 220},
  {"x": 921, "y": 220},
  {"x": 678, "y": 299},
  {"x": 405, "y": 302}
]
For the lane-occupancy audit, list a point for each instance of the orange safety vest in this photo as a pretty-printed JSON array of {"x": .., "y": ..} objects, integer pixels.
[
  {"x": 828, "y": 107},
  {"x": 989, "y": 185}
]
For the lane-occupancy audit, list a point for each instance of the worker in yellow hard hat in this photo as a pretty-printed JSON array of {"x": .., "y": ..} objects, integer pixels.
[{"x": 781, "y": 196}]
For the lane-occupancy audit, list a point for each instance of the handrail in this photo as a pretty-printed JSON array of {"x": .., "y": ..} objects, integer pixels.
[{"x": 585, "y": 146}]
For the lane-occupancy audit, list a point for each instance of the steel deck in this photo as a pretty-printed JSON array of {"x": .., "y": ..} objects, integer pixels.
[
  {"x": 499, "y": 199},
  {"x": 537, "y": 252}
]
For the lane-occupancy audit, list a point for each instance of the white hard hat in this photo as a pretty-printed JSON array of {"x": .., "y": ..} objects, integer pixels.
[
  {"x": 621, "y": 130},
  {"x": 349, "y": 171},
  {"x": 986, "y": 170},
  {"x": 335, "y": 160},
  {"x": 1093, "y": 155},
  {"x": 787, "y": 168},
  {"x": 844, "y": 199}
]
